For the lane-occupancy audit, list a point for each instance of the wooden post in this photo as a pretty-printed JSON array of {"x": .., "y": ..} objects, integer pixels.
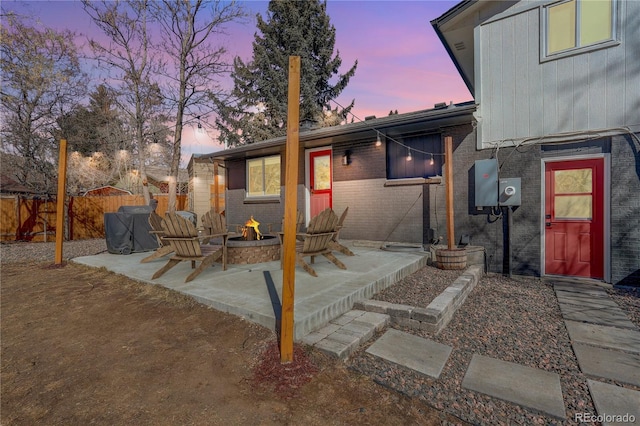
[
  {"x": 290, "y": 212},
  {"x": 62, "y": 190},
  {"x": 216, "y": 189},
  {"x": 448, "y": 155}
]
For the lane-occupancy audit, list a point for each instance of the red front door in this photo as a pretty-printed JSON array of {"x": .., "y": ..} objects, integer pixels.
[
  {"x": 320, "y": 181},
  {"x": 574, "y": 218}
]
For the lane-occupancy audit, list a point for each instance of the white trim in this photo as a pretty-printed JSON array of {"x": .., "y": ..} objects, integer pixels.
[
  {"x": 576, "y": 50},
  {"x": 606, "y": 206},
  {"x": 307, "y": 178}
]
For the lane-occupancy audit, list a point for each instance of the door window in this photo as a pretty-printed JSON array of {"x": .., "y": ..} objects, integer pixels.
[
  {"x": 573, "y": 194},
  {"x": 321, "y": 173}
]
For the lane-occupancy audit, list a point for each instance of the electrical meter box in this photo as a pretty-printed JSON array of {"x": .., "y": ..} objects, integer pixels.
[
  {"x": 486, "y": 188},
  {"x": 509, "y": 192}
]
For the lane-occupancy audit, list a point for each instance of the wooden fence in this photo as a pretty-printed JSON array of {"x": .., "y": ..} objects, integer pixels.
[{"x": 23, "y": 219}]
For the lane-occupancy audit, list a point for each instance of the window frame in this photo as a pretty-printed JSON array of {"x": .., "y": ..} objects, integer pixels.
[
  {"x": 614, "y": 40},
  {"x": 262, "y": 197}
]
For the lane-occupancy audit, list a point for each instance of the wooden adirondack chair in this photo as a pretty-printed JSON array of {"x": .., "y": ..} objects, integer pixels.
[
  {"x": 213, "y": 223},
  {"x": 164, "y": 247},
  {"x": 299, "y": 224},
  {"x": 185, "y": 241},
  {"x": 315, "y": 241},
  {"x": 335, "y": 243}
]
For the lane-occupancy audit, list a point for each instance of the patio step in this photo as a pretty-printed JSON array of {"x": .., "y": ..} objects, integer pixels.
[{"x": 343, "y": 335}]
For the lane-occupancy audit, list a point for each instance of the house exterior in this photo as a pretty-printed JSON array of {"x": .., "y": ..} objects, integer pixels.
[
  {"x": 105, "y": 191},
  {"x": 362, "y": 166},
  {"x": 557, "y": 92}
]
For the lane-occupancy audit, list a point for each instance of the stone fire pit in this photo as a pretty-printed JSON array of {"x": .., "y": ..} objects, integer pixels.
[{"x": 243, "y": 252}]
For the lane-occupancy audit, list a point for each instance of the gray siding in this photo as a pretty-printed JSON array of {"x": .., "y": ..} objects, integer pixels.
[{"x": 522, "y": 97}]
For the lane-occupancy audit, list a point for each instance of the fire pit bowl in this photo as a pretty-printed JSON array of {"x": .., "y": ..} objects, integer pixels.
[{"x": 243, "y": 252}]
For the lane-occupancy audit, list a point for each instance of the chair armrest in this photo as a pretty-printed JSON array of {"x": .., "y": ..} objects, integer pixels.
[
  {"x": 305, "y": 235},
  {"x": 223, "y": 235}
]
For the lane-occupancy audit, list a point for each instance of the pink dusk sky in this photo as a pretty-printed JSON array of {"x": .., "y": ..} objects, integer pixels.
[{"x": 402, "y": 65}]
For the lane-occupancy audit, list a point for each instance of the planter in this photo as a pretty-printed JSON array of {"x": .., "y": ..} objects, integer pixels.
[{"x": 451, "y": 259}]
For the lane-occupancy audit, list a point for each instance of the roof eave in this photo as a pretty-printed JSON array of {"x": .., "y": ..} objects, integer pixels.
[
  {"x": 445, "y": 115},
  {"x": 438, "y": 22}
]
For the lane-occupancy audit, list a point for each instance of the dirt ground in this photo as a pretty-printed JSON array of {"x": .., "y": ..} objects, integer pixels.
[{"x": 86, "y": 346}]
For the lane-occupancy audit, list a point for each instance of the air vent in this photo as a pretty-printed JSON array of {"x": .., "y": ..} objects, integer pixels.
[{"x": 459, "y": 45}]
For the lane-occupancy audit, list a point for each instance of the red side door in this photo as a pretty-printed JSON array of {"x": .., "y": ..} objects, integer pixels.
[
  {"x": 320, "y": 181},
  {"x": 574, "y": 218}
]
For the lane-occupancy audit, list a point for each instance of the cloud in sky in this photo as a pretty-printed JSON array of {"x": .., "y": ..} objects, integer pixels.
[{"x": 401, "y": 63}]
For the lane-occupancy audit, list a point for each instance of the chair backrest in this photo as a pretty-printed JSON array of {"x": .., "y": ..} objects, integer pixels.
[
  {"x": 155, "y": 221},
  {"x": 299, "y": 222},
  {"x": 325, "y": 221},
  {"x": 182, "y": 234},
  {"x": 343, "y": 216},
  {"x": 214, "y": 223},
  {"x": 320, "y": 232}
]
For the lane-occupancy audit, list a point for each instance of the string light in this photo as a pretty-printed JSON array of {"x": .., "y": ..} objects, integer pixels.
[
  {"x": 431, "y": 161},
  {"x": 388, "y": 138},
  {"x": 378, "y": 141}
]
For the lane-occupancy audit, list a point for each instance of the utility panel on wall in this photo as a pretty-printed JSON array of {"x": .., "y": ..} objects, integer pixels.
[
  {"x": 509, "y": 190},
  {"x": 486, "y": 188}
]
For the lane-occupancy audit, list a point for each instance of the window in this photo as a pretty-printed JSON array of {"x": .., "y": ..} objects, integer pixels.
[
  {"x": 422, "y": 163},
  {"x": 578, "y": 24},
  {"x": 263, "y": 177}
]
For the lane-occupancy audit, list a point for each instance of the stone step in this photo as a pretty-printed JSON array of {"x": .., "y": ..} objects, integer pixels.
[
  {"x": 609, "y": 364},
  {"x": 343, "y": 335},
  {"x": 526, "y": 386},
  {"x": 422, "y": 355},
  {"x": 616, "y": 405}
]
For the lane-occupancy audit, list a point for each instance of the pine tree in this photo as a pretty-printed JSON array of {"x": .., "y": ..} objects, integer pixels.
[{"x": 259, "y": 112}]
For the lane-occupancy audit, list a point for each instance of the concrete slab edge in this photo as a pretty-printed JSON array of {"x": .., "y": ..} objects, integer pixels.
[{"x": 319, "y": 318}]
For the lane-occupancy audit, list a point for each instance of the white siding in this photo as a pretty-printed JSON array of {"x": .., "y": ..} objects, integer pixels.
[
  {"x": 200, "y": 195},
  {"x": 523, "y": 98}
]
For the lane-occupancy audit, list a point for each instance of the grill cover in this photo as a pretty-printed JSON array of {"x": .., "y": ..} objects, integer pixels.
[{"x": 128, "y": 230}]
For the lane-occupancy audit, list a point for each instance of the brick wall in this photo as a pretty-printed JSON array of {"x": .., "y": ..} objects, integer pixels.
[
  {"x": 489, "y": 230},
  {"x": 625, "y": 210},
  {"x": 272, "y": 212},
  {"x": 379, "y": 213},
  {"x": 368, "y": 161}
]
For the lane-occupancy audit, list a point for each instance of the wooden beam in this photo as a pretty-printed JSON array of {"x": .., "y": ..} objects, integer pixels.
[
  {"x": 448, "y": 178},
  {"x": 62, "y": 191},
  {"x": 290, "y": 212}
]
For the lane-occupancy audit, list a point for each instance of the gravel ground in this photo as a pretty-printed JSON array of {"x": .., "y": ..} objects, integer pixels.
[
  {"x": 516, "y": 320},
  {"x": 17, "y": 252}
]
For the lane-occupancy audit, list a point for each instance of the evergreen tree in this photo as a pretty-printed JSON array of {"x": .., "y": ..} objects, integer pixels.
[{"x": 259, "y": 109}]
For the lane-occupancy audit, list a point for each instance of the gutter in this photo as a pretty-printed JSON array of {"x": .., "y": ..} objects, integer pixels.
[{"x": 379, "y": 124}]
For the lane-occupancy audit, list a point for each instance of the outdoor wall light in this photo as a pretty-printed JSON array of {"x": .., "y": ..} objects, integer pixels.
[{"x": 346, "y": 158}]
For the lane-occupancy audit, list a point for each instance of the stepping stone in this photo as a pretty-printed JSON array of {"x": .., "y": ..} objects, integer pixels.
[
  {"x": 586, "y": 300},
  {"x": 593, "y": 290},
  {"x": 605, "y": 315},
  {"x": 615, "y": 365},
  {"x": 526, "y": 386},
  {"x": 422, "y": 355},
  {"x": 616, "y": 404},
  {"x": 608, "y": 337}
]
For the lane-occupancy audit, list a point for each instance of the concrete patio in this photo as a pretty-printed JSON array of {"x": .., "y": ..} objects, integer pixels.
[{"x": 254, "y": 292}]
